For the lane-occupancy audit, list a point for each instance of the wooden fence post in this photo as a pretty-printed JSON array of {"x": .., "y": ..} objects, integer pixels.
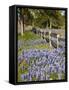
[
  {"x": 44, "y": 35},
  {"x": 57, "y": 40},
  {"x": 50, "y": 38},
  {"x": 41, "y": 33}
]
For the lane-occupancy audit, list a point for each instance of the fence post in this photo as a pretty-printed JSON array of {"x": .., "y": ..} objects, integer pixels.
[
  {"x": 36, "y": 31},
  {"x": 41, "y": 33},
  {"x": 57, "y": 40},
  {"x": 44, "y": 34},
  {"x": 50, "y": 38}
]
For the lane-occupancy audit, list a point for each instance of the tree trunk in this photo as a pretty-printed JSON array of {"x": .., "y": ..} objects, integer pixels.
[
  {"x": 21, "y": 28},
  {"x": 22, "y": 22},
  {"x": 50, "y": 24},
  {"x": 33, "y": 24}
]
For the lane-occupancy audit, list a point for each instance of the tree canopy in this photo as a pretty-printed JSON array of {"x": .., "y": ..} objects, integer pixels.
[{"x": 42, "y": 18}]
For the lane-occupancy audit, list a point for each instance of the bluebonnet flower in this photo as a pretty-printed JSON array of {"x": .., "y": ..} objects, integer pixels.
[{"x": 44, "y": 63}]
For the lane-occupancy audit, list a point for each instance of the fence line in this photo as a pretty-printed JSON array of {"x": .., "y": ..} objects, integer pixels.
[{"x": 44, "y": 34}]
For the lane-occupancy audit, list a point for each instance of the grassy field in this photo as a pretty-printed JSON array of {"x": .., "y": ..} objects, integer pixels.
[{"x": 28, "y": 36}]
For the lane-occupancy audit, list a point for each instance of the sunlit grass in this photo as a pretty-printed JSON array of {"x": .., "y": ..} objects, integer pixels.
[
  {"x": 28, "y": 36},
  {"x": 40, "y": 46},
  {"x": 54, "y": 76}
]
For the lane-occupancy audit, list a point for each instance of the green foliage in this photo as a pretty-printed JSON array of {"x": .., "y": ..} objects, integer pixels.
[{"x": 42, "y": 17}]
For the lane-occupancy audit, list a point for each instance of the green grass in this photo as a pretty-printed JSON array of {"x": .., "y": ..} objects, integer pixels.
[
  {"x": 40, "y": 46},
  {"x": 34, "y": 79},
  {"x": 63, "y": 76},
  {"x": 54, "y": 76},
  {"x": 28, "y": 36}
]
